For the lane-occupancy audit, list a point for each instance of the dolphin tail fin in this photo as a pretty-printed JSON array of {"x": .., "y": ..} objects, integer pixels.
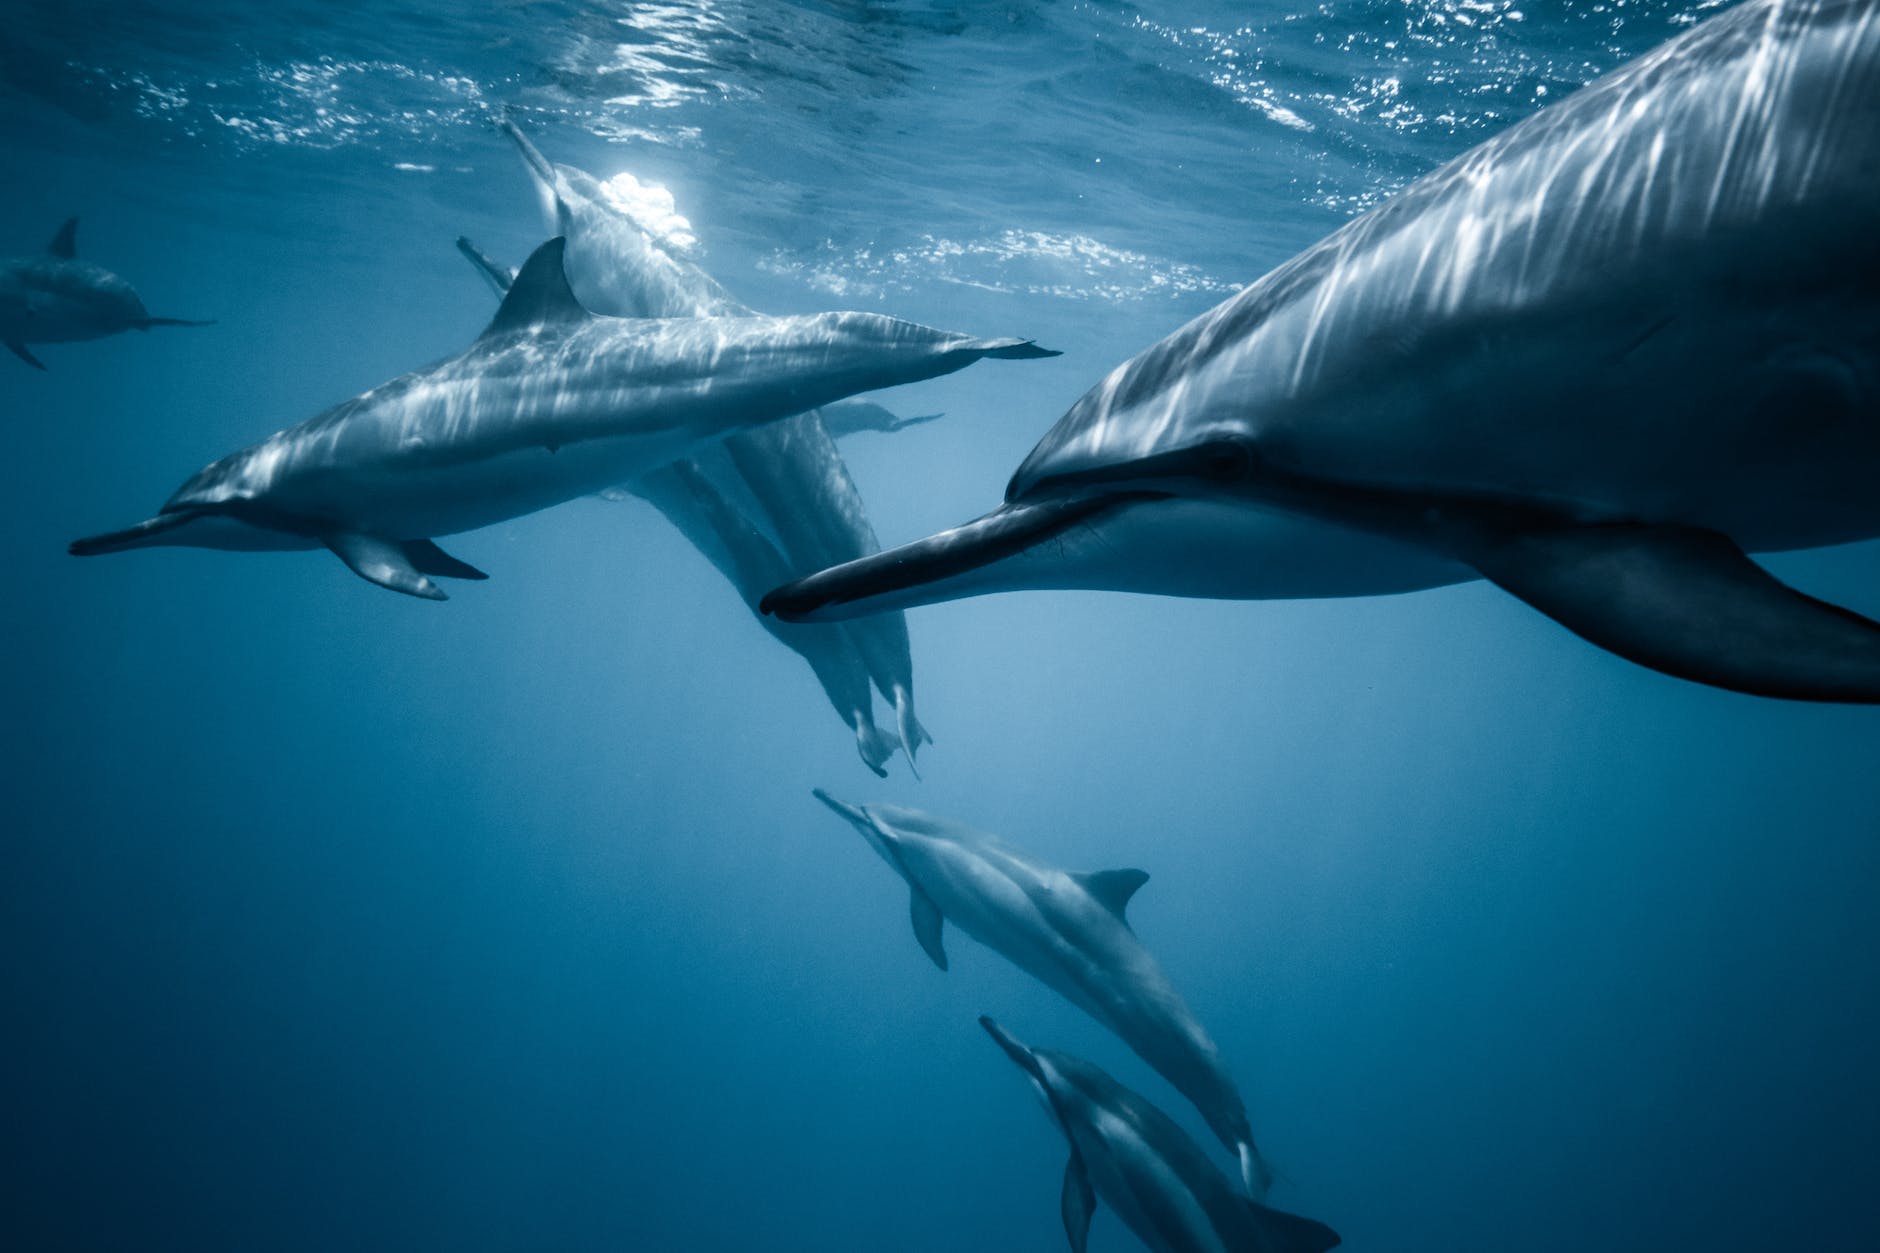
[
  {"x": 500, "y": 277},
  {"x": 1289, "y": 1233},
  {"x": 1689, "y": 603},
  {"x": 19, "y": 350},
  {"x": 1013, "y": 349},
  {"x": 144, "y": 324},
  {"x": 147, "y": 534}
]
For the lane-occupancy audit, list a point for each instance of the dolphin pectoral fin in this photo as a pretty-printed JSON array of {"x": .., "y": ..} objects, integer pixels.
[
  {"x": 19, "y": 350},
  {"x": 1077, "y": 1203},
  {"x": 427, "y": 558},
  {"x": 892, "y": 579},
  {"x": 1113, "y": 888},
  {"x": 383, "y": 562},
  {"x": 1689, "y": 603},
  {"x": 1255, "y": 1173},
  {"x": 876, "y": 746},
  {"x": 1289, "y": 1233},
  {"x": 928, "y": 922}
]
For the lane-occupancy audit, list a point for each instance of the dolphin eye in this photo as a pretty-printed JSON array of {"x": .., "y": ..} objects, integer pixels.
[{"x": 1223, "y": 460}]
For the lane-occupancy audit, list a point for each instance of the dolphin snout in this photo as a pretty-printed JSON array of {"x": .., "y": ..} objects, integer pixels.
[
  {"x": 1013, "y": 1046},
  {"x": 853, "y": 813}
]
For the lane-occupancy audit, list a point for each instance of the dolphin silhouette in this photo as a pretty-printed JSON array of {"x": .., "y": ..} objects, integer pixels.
[
  {"x": 552, "y": 402},
  {"x": 55, "y": 298},
  {"x": 1594, "y": 360},
  {"x": 786, "y": 481},
  {"x": 1069, "y": 932},
  {"x": 1153, "y": 1175}
]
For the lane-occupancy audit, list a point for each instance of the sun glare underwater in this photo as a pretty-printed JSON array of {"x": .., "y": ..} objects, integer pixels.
[{"x": 1193, "y": 625}]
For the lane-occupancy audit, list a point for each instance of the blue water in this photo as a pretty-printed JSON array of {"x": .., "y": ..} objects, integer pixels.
[{"x": 339, "y": 920}]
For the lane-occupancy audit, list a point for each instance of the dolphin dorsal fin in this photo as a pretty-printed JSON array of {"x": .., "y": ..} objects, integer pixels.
[
  {"x": 1113, "y": 888},
  {"x": 539, "y": 295},
  {"x": 65, "y": 243}
]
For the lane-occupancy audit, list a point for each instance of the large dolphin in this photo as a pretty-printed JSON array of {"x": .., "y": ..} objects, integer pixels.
[
  {"x": 1594, "y": 360},
  {"x": 54, "y": 298},
  {"x": 748, "y": 559},
  {"x": 1069, "y": 932},
  {"x": 1153, "y": 1175},
  {"x": 788, "y": 479},
  {"x": 550, "y": 403}
]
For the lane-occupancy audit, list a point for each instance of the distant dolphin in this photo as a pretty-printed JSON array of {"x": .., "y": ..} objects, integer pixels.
[
  {"x": 1068, "y": 932},
  {"x": 1593, "y": 360},
  {"x": 55, "y": 298},
  {"x": 1158, "y": 1181},
  {"x": 787, "y": 479},
  {"x": 550, "y": 403}
]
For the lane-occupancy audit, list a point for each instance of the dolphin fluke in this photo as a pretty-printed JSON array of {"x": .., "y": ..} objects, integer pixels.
[
  {"x": 1689, "y": 603},
  {"x": 885, "y": 580}
]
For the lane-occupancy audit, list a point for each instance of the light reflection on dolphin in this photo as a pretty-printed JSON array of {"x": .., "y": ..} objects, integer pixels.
[
  {"x": 1153, "y": 1175},
  {"x": 1594, "y": 360},
  {"x": 785, "y": 481},
  {"x": 1070, "y": 933},
  {"x": 55, "y": 298},
  {"x": 552, "y": 402}
]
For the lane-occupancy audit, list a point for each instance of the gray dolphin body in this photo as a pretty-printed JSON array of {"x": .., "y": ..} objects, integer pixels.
[
  {"x": 1151, "y": 1173},
  {"x": 786, "y": 481},
  {"x": 55, "y": 298},
  {"x": 552, "y": 402},
  {"x": 1594, "y": 360},
  {"x": 1069, "y": 932}
]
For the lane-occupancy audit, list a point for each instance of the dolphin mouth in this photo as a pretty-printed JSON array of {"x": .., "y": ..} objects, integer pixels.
[
  {"x": 1007, "y": 530},
  {"x": 145, "y": 532},
  {"x": 1218, "y": 463}
]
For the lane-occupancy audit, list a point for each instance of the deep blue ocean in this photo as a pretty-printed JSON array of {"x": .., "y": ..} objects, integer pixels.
[{"x": 334, "y": 919}]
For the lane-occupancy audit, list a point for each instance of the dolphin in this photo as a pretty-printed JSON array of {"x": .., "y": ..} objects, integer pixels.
[
  {"x": 1595, "y": 360},
  {"x": 688, "y": 498},
  {"x": 55, "y": 298},
  {"x": 855, "y": 416},
  {"x": 551, "y": 402},
  {"x": 1069, "y": 932},
  {"x": 790, "y": 475},
  {"x": 1153, "y": 1175}
]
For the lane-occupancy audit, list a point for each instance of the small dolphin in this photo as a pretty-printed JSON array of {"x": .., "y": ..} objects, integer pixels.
[
  {"x": 1594, "y": 360},
  {"x": 1068, "y": 932},
  {"x": 55, "y": 298},
  {"x": 1153, "y": 1175},
  {"x": 552, "y": 402},
  {"x": 788, "y": 478}
]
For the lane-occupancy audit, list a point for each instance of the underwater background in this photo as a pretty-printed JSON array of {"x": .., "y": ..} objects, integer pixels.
[{"x": 338, "y": 920}]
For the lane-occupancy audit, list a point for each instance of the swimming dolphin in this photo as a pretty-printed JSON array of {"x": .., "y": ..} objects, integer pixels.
[
  {"x": 55, "y": 298},
  {"x": 1069, "y": 932},
  {"x": 1593, "y": 360},
  {"x": 750, "y": 561},
  {"x": 550, "y": 403},
  {"x": 1153, "y": 1175},
  {"x": 790, "y": 479}
]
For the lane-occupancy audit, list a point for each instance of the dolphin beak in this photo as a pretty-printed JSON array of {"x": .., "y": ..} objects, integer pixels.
[
  {"x": 853, "y": 813},
  {"x": 1014, "y": 1048},
  {"x": 894, "y": 579},
  {"x": 143, "y": 534}
]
